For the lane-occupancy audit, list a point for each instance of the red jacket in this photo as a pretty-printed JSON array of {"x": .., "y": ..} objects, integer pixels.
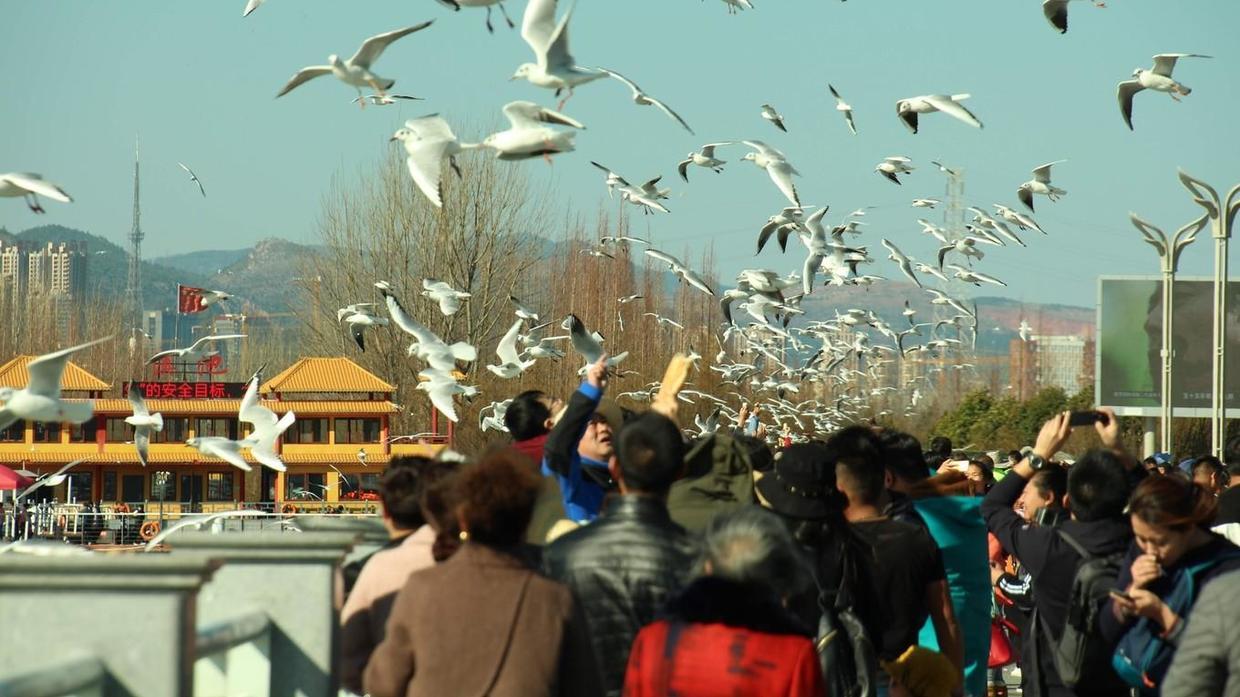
[{"x": 711, "y": 658}]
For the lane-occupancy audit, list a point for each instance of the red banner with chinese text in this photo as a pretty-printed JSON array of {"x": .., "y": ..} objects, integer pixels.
[{"x": 189, "y": 299}]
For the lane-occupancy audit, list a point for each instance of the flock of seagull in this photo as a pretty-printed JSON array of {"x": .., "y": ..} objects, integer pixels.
[{"x": 759, "y": 348}]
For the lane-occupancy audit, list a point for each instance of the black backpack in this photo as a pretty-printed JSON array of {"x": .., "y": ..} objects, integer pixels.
[
  {"x": 846, "y": 653},
  {"x": 1080, "y": 647}
]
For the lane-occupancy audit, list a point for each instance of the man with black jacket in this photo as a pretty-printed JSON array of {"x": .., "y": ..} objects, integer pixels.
[
  {"x": 578, "y": 447},
  {"x": 626, "y": 564},
  {"x": 1098, "y": 488}
]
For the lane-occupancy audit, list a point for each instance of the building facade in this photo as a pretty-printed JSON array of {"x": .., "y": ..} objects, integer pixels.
[{"x": 1066, "y": 362}]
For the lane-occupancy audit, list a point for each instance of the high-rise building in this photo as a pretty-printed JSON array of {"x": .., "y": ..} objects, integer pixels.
[
  {"x": 14, "y": 270},
  {"x": 1065, "y": 362},
  {"x": 57, "y": 269}
]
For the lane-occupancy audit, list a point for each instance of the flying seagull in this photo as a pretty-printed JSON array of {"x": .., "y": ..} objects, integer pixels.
[
  {"x": 441, "y": 388},
  {"x": 523, "y": 311},
  {"x": 905, "y": 264},
  {"x": 143, "y": 422},
  {"x": 384, "y": 99},
  {"x": 199, "y": 347},
  {"x": 776, "y": 166},
  {"x": 40, "y": 399},
  {"x": 555, "y": 68},
  {"x": 769, "y": 113},
  {"x": 894, "y": 165},
  {"x": 925, "y": 202},
  {"x": 588, "y": 344},
  {"x": 457, "y": 4},
  {"x": 510, "y": 364},
  {"x": 449, "y": 298},
  {"x": 427, "y": 346},
  {"x": 908, "y": 109},
  {"x": 705, "y": 157},
  {"x": 1056, "y": 12},
  {"x": 1040, "y": 184},
  {"x": 528, "y": 137},
  {"x": 250, "y": 6},
  {"x": 356, "y": 70},
  {"x": 225, "y": 449},
  {"x": 194, "y": 178},
  {"x": 429, "y": 142},
  {"x": 1157, "y": 78},
  {"x": 843, "y": 106},
  {"x": 642, "y": 99},
  {"x": 358, "y": 320},
  {"x": 31, "y": 186},
  {"x": 678, "y": 268},
  {"x": 267, "y": 427}
]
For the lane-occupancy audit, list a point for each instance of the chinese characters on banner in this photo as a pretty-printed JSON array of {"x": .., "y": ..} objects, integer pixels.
[
  {"x": 189, "y": 299},
  {"x": 186, "y": 390}
]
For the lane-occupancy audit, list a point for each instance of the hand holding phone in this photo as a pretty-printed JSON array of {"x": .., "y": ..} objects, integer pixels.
[
  {"x": 1087, "y": 418},
  {"x": 1120, "y": 596}
]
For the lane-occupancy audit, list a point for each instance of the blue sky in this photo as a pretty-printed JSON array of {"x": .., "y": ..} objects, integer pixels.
[{"x": 196, "y": 82}]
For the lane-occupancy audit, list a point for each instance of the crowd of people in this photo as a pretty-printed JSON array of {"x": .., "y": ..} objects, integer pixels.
[{"x": 600, "y": 552}]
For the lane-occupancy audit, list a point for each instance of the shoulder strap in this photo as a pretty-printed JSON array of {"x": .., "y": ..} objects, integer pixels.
[{"x": 1074, "y": 544}]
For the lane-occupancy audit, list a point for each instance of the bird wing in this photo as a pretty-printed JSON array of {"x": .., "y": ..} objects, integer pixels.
[
  {"x": 557, "y": 54},
  {"x": 372, "y": 48},
  {"x": 214, "y": 337},
  {"x": 1042, "y": 173},
  {"x": 1164, "y": 63},
  {"x": 37, "y": 185},
  {"x": 582, "y": 342},
  {"x": 425, "y": 163},
  {"x": 781, "y": 174},
  {"x": 45, "y": 371},
  {"x": 629, "y": 83},
  {"x": 136, "y": 401},
  {"x": 848, "y": 117},
  {"x": 610, "y": 174},
  {"x": 250, "y": 411},
  {"x": 523, "y": 114},
  {"x": 683, "y": 168},
  {"x": 1124, "y": 93},
  {"x": 765, "y": 149},
  {"x": 692, "y": 278},
  {"x": 834, "y": 93},
  {"x": 943, "y": 254},
  {"x": 441, "y": 398},
  {"x": 895, "y": 251},
  {"x": 142, "y": 443},
  {"x": 430, "y": 127},
  {"x": 303, "y": 76},
  {"x": 664, "y": 257},
  {"x": 908, "y": 117},
  {"x": 161, "y": 354},
  {"x": 538, "y": 26},
  {"x": 949, "y": 106},
  {"x": 1026, "y": 197},
  {"x": 708, "y": 150},
  {"x": 1056, "y": 12},
  {"x": 507, "y": 348},
  {"x": 250, "y": 7},
  {"x": 404, "y": 321},
  {"x": 230, "y": 454},
  {"x": 668, "y": 110}
]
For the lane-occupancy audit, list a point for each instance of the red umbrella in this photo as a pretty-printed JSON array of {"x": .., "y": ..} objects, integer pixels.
[{"x": 12, "y": 480}]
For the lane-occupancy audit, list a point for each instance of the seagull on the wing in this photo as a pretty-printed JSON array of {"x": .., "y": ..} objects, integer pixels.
[
  {"x": 225, "y": 449},
  {"x": 53, "y": 479},
  {"x": 769, "y": 113},
  {"x": 678, "y": 268},
  {"x": 545, "y": 348},
  {"x": 588, "y": 344},
  {"x": 642, "y": 99},
  {"x": 385, "y": 99},
  {"x": 925, "y": 202},
  {"x": 1025, "y": 331},
  {"x": 894, "y": 165},
  {"x": 598, "y": 254},
  {"x": 625, "y": 240},
  {"x": 735, "y": 6},
  {"x": 250, "y": 6},
  {"x": 929, "y": 228},
  {"x": 143, "y": 422},
  {"x": 555, "y": 68},
  {"x": 267, "y": 427},
  {"x": 494, "y": 422},
  {"x": 358, "y": 321},
  {"x": 705, "y": 157},
  {"x": 964, "y": 245},
  {"x": 441, "y": 388},
  {"x": 625, "y": 300},
  {"x": 975, "y": 277},
  {"x": 1040, "y": 184},
  {"x": 841, "y": 105},
  {"x": 527, "y": 137},
  {"x": 931, "y": 270},
  {"x": 941, "y": 298},
  {"x": 1056, "y": 12},
  {"x": 510, "y": 364},
  {"x": 776, "y": 166},
  {"x": 448, "y": 298},
  {"x": 1017, "y": 218},
  {"x": 785, "y": 222},
  {"x": 197, "y": 348},
  {"x": 645, "y": 196},
  {"x": 427, "y": 346},
  {"x": 457, "y": 4},
  {"x": 905, "y": 264},
  {"x": 944, "y": 168},
  {"x": 194, "y": 178},
  {"x": 211, "y": 297},
  {"x": 664, "y": 321},
  {"x": 522, "y": 310},
  {"x": 31, "y": 186},
  {"x": 1157, "y": 78},
  {"x": 429, "y": 142},
  {"x": 356, "y": 70},
  {"x": 908, "y": 109}
]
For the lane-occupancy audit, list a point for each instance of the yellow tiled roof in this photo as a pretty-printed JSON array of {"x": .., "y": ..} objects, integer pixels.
[
  {"x": 191, "y": 407},
  {"x": 326, "y": 375},
  {"x": 190, "y": 456},
  {"x": 14, "y": 374}
]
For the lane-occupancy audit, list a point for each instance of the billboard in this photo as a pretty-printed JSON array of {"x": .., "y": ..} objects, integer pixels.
[{"x": 1129, "y": 364}]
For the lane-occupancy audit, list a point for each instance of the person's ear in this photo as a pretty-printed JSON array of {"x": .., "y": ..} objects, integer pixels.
[
  {"x": 1067, "y": 502},
  {"x": 888, "y": 479}
]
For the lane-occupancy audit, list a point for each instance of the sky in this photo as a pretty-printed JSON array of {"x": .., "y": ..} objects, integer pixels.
[{"x": 195, "y": 82}]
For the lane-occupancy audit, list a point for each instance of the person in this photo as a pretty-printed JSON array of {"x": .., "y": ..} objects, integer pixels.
[
  {"x": 1227, "y": 522},
  {"x": 1098, "y": 486},
  {"x": 1041, "y": 503},
  {"x": 941, "y": 446},
  {"x": 908, "y": 577},
  {"x": 728, "y": 632},
  {"x": 529, "y": 418},
  {"x": 1170, "y": 522},
  {"x": 980, "y": 472},
  {"x": 921, "y": 672},
  {"x": 626, "y": 564},
  {"x": 578, "y": 448},
  {"x": 1207, "y": 662},
  {"x": 351, "y": 571},
  {"x": 366, "y": 609},
  {"x": 905, "y": 466},
  {"x": 1209, "y": 472},
  {"x": 484, "y": 622}
]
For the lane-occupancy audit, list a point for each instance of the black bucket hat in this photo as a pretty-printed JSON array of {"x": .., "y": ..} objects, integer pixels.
[{"x": 802, "y": 483}]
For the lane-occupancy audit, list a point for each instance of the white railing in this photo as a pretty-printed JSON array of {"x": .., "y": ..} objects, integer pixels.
[
  {"x": 80, "y": 676},
  {"x": 234, "y": 658}
]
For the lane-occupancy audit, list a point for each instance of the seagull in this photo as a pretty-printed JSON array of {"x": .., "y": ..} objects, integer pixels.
[
  {"x": 267, "y": 427},
  {"x": 356, "y": 70},
  {"x": 523, "y": 311},
  {"x": 53, "y": 479},
  {"x": 678, "y": 268},
  {"x": 1025, "y": 331},
  {"x": 510, "y": 364},
  {"x": 776, "y": 165},
  {"x": 194, "y": 178},
  {"x": 358, "y": 322},
  {"x": 944, "y": 168},
  {"x": 933, "y": 271},
  {"x": 427, "y": 347},
  {"x": 893, "y": 165},
  {"x": 1157, "y": 78},
  {"x": 929, "y": 228},
  {"x": 457, "y": 4},
  {"x": 769, "y": 113},
  {"x": 905, "y": 264},
  {"x": 908, "y": 109},
  {"x": 429, "y": 141},
  {"x": 355, "y": 308},
  {"x": 642, "y": 99},
  {"x": 705, "y": 157},
  {"x": 527, "y": 137},
  {"x": 628, "y": 299},
  {"x": 545, "y": 348},
  {"x": 143, "y": 422},
  {"x": 588, "y": 345},
  {"x": 735, "y": 6},
  {"x": 555, "y": 67},
  {"x": 1056, "y": 12},
  {"x": 384, "y": 99},
  {"x": 965, "y": 245},
  {"x": 250, "y": 6},
  {"x": 598, "y": 254},
  {"x": 841, "y": 105},
  {"x": 441, "y": 388},
  {"x": 197, "y": 348},
  {"x": 664, "y": 321},
  {"x": 625, "y": 239},
  {"x": 925, "y": 202},
  {"x": 785, "y": 223},
  {"x": 31, "y": 186},
  {"x": 494, "y": 422},
  {"x": 449, "y": 298},
  {"x": 211, "y": 297},
  {"x": 1017, "y": 218},
  {"x": 1040, "y": 184},
  {"x": 974, "y": 277},
  {"x": 646, "y": 196},
  {"x": 225, "y": 449},
  {"x": 199, "y": 521}
]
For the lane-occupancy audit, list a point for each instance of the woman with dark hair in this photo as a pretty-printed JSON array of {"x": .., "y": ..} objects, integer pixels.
[
  {"x": 981, "y": 473},
  {"x": 1173, "y": 555},
  {"x": 484, "y": 622}
]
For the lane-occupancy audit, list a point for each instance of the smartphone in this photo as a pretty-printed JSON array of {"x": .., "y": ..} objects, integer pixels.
[
  {"x": 1120, "y": 596},
  {"x": 1087, "y": 418}
]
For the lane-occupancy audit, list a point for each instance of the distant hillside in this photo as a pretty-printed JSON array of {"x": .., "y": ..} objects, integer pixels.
[
  {"x": 206, "y": 260},
  {"x": 265, "y": 274}
]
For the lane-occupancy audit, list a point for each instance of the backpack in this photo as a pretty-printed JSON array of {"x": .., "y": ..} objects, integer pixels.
[
  {"x": 1080, "y": 646},
  {"x": 1143, "y": 655},
  {"x": 846, "y": 654}
]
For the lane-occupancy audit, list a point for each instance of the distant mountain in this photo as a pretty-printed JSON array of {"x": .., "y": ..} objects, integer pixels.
[
  {"x": 202, "y": 261},
  {"x": 264, "y": 274}
]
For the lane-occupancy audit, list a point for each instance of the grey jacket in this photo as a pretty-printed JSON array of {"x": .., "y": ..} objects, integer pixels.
[{"x": 1207, "y": 662}]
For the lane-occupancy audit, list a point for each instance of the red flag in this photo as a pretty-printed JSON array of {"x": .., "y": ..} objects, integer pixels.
[{"x": 189, "y": 299}]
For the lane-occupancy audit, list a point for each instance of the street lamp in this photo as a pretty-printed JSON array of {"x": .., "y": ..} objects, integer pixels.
[
  {"x": 1169, "y": 257},
  {"x": 1221, "y": 214}
]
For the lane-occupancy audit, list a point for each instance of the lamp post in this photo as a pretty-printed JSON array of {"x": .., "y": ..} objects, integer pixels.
[
  {"x": 1169, "y": 258},
  {"x": 1222, "y": 213}
]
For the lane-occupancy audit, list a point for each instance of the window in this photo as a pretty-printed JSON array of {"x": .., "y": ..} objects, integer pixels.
[
  {"x": 307, "y": 431},
  {"x": 14, "y": 434},
  {"x": 163, "y": 486},
  {"x": 46, "y": 432},
  {"x": 109, "y": 486},
  {"x": 222, "y": 427},
  {"x": 84, "y": 433},
  {"x": 176, "y": 430},
  {"x": 305, "y": 487},
  {"x": 219, "y": 486},
  {"x": 79, "y": 487},
  {"x": 357, "y": 431},
  {"x": 118, "y": 431},
  {"x": 358, "y": 486}
]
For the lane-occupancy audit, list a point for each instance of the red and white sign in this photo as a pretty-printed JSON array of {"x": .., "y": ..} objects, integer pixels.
[{"x": 189, "y": 299}]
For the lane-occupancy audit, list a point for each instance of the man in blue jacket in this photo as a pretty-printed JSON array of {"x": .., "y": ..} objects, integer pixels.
[{"x": 579, "y": 446}]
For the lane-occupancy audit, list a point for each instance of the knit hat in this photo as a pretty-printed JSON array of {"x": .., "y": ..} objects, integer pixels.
[{"x": 923, "y": 672}]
